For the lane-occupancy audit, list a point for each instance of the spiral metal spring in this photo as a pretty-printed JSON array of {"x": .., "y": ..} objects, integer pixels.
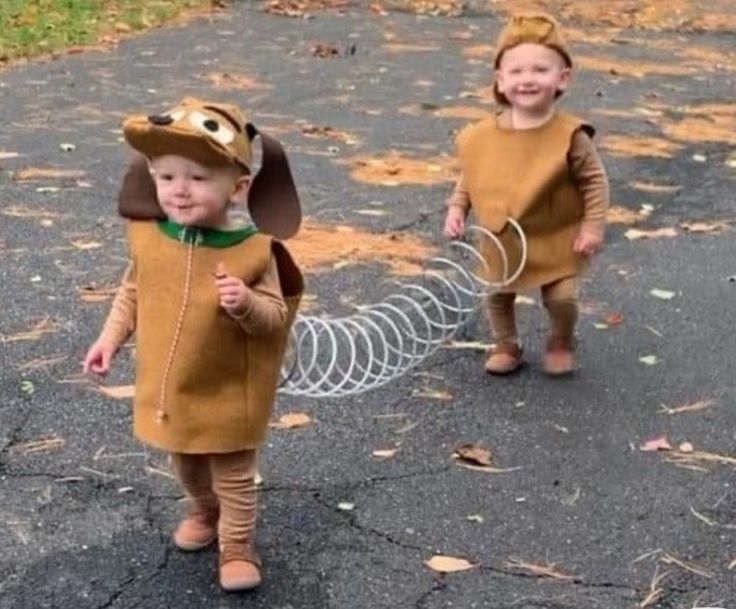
[{"x": 332, "y": 357}]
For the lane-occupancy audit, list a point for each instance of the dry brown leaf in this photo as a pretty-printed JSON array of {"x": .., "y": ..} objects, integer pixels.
[
  {"x": 732, "y": 564},
  {"x": 120, "y": 392},
  {"x": 292, "y": 420},
  {"x": 448, "y": 564},
  {"x": 694, "y": 407},
  {"x": 655, "y": 444},
  {"x": 669, "y": 559},
  {"x": 83, "y": 245},
  {"x": 45, "y": 326},
  {"x": 549, "y": 570},
  {"x": 432, "y": 394},
  {"x": 93, "y": 294},
  {"x": 227, "y": 80},
  {"x": 614, "y": 319},
  {"x": 623, "y": 215},
  {"x": 472, "y": 453},
  {"x": 714, "y": 226},
  {"x": 486, "y": 469},
  {"x": 655, "y": 188},
  {"x": 36, "y": 173},
  {"x": 394, "y": 170},
  {"x": 627, "y": 146},
  {"x": 42, "y": 363},
  {"x": 700, "y": 457},
  {"x": 658, "y": 233},
  {"x": 384, "y": 453},
  {"x": 35, "y": 446}
]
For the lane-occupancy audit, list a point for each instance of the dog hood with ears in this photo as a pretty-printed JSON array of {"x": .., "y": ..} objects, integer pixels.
[{"x": 211, "y": 134}]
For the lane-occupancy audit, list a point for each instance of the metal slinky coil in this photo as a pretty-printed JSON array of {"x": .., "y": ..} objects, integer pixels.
[{"x": 333, "y": 357}]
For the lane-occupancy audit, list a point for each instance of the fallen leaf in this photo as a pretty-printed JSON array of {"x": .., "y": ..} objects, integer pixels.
[
  {"x": 686, "y": 447},
  {"x": 433, "y": 394},
  {"x": 4, "y": 154},
  {"x": 486, "y": 468},
  {"x": 92, "y": 294},
  {"x": 83, "y": 245},
  {"x": 292, "y": 420},
  {"x": 656, "y": 444},
  {"x": 448, "y": 564},
  {"x": 473, "y": 345},
  {"x": 384, "y": 454},
  {"x": 649, "y": 360},
  {"x": 657, "y": 188},
  {"x": 614, "y": 319},
  {"x": 34, "y": 173},
  {"x": 694, "y": 407},
  {"x": 67, "y": 147},
  {"x": 35, "y": 446},
  {"x": 121, "y": 392},
  {"x": 662, "y": 294},
  {"x": 732, "y": 564},
  {"x": 475, "y": 518},
  {"x": 345, "y": 506},
  {"x": 549, "y": 570},
  {"x": 45, "y": 326},
  {"x": 473, "y": 453},
  {"x": 635, "y": 233},
  {"x": 715, "y": 226},
  {"x": 371, "y": 212}
]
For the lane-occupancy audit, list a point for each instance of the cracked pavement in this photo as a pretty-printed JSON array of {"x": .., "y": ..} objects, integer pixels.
[{"x": 86, "y": 521}]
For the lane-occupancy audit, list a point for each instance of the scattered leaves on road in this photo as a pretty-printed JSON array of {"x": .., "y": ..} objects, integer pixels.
[
  {"x": 292, "y": 420},
  {"x": 449, "y": 564},
  {"x": 658, "y": 233},
  {"x": 694, "y": 407},
  {"x": 119, "y": 392},
  {"x": 547, "y": 571},
  {"x": 655, "y": 445}
]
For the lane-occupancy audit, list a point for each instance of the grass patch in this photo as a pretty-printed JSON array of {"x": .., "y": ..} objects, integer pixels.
[{"x": 35, "y": 27}]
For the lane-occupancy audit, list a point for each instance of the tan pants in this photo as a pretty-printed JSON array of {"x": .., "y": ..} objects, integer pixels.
[
  {"x": 559, "y": 298},
  {"x": 226, "y": 481}
]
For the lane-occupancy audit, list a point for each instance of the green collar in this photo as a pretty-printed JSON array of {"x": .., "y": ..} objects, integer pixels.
[{"x": 207, "y": 237}]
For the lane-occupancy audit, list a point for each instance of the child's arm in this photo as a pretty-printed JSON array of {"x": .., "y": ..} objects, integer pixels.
[
  {"x": 258, "y": 309},
  {"x": 592, "y": 182},
  {"x": 120, "y": 324},
  {"x": 457, "y": 205}
]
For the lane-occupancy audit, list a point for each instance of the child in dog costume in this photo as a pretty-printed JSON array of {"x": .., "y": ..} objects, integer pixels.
[
  {"x": 211, "y": 302},
  {"x": 538, "y": 165}
]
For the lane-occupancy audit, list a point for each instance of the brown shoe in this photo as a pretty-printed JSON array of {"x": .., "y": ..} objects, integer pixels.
[
  {"x": 559, "y": 358},
  {"x": 196, "y": 531},
  {"x": 239, "y": 569},
  {"x": 505, "y": 358}
]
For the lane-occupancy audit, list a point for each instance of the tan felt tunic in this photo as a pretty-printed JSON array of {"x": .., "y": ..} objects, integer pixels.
[
  {"x": 215, "y": 376},
  {"x": 530, "y": 175}
]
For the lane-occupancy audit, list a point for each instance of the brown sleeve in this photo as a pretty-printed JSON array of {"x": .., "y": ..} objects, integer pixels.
[
  {"x": 459, "y": 196},
  {"x": 120, "y": 322},
  {"x": 265, "y": 309},
  {"x": 592, "y": 181}
]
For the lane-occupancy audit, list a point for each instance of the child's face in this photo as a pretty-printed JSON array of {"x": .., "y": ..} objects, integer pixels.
[
  {"x": 195, "y": 195},
  {"x": 530, "y": 75}
]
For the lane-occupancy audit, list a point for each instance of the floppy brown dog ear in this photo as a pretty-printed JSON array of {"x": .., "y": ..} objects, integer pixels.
[
  {"x": 273, "y": 201},
  {"x": 137, "y": 199}
]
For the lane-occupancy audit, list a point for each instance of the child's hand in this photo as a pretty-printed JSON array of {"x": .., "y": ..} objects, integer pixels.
[
  {"x": 454, "y": 222},
  {"x": 233, "y": 292},
  {"x": 588, "y": 243},
  {"x": 99, "y": 357}
]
